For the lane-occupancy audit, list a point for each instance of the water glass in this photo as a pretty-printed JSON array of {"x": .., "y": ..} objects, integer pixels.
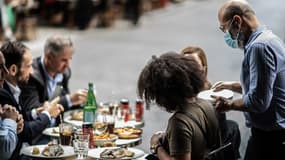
[{"x": 81, "y": 146}]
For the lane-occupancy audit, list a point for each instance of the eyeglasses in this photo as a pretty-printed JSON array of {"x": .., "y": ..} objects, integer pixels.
[{"x": 223, "y": 27}]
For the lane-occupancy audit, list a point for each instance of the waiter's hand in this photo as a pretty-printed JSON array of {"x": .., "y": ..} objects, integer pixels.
[
  {"x": 221, "y": 104},
  {"x": 218, "y": 86}
]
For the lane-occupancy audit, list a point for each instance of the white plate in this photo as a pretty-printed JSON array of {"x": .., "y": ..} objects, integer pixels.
[
  {"x": 128, "y": 142},
  {"x": 118, "y": 124},
  {"x": 95, "y": 153},
  {"x": 76, "y": 123},
  {"x": 49, "y": 132},
  {"x": 223, "y": 93},
  {"x": 68, "y": 152},
  {"x": 100, "y": 142}
]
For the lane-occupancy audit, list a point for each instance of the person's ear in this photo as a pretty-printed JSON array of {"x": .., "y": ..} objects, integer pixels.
[
  {"x": 237, "y": 20},
  {"x": 13, "y": 69}
]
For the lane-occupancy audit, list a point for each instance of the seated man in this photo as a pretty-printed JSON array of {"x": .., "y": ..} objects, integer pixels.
[
  {"x": 11, "y": 122},
  {"x": 19, "y": 63},
  {"x": 52, "y": 71},
  {"x": 51, "y": 76}
]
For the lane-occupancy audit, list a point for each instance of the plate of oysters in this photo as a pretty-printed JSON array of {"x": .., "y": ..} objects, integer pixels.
[
  {"x": 49, "y": 151},
  {"x": 115, "y": 153}
]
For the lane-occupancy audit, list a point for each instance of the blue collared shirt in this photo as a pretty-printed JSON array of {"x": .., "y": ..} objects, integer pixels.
[
  {"x": 51, "y": 85},
  {"x": 52, "y": 82},
  {"x": 263, "y": 80},
  {"x": 8, "y": 138}
]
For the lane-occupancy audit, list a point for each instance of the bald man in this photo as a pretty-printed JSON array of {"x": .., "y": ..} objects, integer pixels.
[{"x": 262, "y": 80}]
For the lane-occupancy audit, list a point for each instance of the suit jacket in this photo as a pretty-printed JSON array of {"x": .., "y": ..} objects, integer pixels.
[
  {"x": 32, "y": 128},
  {"x": 35, "y": 92}
]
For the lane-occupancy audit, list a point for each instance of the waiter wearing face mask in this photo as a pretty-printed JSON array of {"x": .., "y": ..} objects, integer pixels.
[{"x": 262, "y": 80}]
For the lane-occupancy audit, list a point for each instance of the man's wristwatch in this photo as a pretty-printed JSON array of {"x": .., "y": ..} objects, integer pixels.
[{"x": 154, "y": 148}]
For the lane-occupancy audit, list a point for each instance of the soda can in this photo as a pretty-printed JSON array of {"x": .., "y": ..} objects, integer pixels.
[
  {"x": 87, "y": 128},
  {"x": 125, "y": 108},
  {"x": 139, "y": 110}
]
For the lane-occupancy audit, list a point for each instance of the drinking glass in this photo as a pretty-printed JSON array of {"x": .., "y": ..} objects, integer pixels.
[
  {"x": 81, "y": 145},
  {"x": 65, "y": 133},
  {"x": 110, "y": 123},
  {"x": 100, "y": 126}
]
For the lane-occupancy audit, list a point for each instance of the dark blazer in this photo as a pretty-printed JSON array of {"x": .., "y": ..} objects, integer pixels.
[
  {"x": 35, "y": 92},
  {"x": 32, "y": 128}
]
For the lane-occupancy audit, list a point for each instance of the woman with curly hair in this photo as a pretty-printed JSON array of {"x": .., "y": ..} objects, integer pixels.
[{"x": 173, "y": 81}]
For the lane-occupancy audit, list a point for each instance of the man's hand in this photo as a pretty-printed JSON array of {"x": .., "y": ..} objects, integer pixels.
[
  {"x": 53, "y": 107},
  {"x": 40, "y": 109},
  {"x": 231, "y": 85},
  {"x": 20, "y": 124},
  {"x": 9, "y": 111},
  {"x": 78, "y": 97},
  {"x": 221, "y": 104}
]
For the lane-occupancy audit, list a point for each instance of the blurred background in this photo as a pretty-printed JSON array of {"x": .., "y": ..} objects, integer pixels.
[{"x": 114, "y": 39}]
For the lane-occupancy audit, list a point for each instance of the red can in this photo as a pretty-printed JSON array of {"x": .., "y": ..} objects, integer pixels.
[
  {"x": 139, "y": 110},
  {"x": 125, "y": 109},
  {"x": 87, "y": 128}
]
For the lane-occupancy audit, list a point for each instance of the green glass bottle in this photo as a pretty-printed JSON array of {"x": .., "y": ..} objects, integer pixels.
[{"x": 90, "y": 106}]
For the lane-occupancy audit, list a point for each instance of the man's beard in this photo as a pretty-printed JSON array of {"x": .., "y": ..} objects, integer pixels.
[{"x": 21, "y": 81}]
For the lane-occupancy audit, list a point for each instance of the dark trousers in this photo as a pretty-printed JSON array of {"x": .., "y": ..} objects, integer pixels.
[
  {"x": 230, "y": 133},
  {"x": 265, "y": 145}
]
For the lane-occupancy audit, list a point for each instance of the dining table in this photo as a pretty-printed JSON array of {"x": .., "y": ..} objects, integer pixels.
[{"x": 67, "y": 117}]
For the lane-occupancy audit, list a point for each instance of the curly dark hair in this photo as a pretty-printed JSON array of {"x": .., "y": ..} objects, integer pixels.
[{"x": 170, "y": 80}]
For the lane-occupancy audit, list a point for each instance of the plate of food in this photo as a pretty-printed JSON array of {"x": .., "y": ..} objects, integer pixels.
[
  {"x": 104, "y": 140},
  {"x": 225, "y": 93},
  {"x": 74, "y": 117},
  {"x": 77, "y": 115},
  {"x": 50, "y": 151},
  {"x": 128, "y": 132},
  {"x": 52, "y": 131},
  {"x": 115, "y": 153}
]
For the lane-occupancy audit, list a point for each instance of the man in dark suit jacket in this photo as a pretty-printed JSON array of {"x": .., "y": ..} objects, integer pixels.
[
  {"x": 50, "y": 78},
  {"x": 35, "y": 92},
  {"x": 11, "y": 122},
  {"x": 18, "y": 61},
  {"x": 51, "y": 75}
]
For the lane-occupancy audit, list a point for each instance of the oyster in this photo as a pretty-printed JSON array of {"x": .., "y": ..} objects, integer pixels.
[
  {"x": 115, "y": 153},
  {"x": 53, "y": 150}
]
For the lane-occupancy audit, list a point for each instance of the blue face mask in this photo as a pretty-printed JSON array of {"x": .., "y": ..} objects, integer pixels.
[{"x": 233, "y": 43}]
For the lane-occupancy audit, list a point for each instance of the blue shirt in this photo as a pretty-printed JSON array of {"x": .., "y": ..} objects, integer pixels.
[
  {"x": 51, "y": 85},
  {"x": 263, "y": 81},
  {"x": 8, "y": 138},
  {"x": 53, "y": 81}
]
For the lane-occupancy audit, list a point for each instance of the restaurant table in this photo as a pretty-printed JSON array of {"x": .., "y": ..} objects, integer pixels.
[
  {"x": 67, "y": 117},
  {"x": 119, "y": 142},
  {"x": 29, "y": 156}
]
